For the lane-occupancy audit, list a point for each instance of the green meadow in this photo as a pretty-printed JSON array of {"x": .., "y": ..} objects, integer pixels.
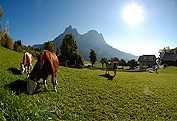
[{"x": 85, "y": 94}]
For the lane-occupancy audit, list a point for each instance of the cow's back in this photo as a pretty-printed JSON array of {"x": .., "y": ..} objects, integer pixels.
[
  {"x": 27, "y": 59},
  {"x": 111, "y": 66},
  {"x": 52, "y": 59},
  {"x": 47, "y": 63}
]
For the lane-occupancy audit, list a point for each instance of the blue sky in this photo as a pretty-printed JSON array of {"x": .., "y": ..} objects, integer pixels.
[{"x": 37, "y": 21}]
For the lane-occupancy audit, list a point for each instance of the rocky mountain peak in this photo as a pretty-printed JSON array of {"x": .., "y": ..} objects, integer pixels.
[{"x": 70, "y": 30}]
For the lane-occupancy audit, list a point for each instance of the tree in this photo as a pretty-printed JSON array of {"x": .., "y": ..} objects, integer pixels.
[
  {"x": 9, "y": 43},
  {"x": 69, "y": 52},
  {"x": 168, "y": 50},
  {"x": 132, "y": 63},
  {"x": 93, "y": 57},
  {"x": 3, "y": 40},
  {"x": 6, "y": 30},
  {"x": 18, "y": 46},
  {"x": 5, "y": 35},
  {"x": 77, "y": 60},
  {"x": 122, "y": 62},
  {"x": 50, "y": 46},
  {"x": 19, "y": 42},
  {"x": 1, "y": 13},
  {"x": 175, "y": 50},
  {"x": 103, "y": 60},
  {"x": 68, "y": 46}
]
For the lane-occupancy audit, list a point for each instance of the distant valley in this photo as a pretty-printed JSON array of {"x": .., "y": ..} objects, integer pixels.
[{"x": 91, "y": 40}]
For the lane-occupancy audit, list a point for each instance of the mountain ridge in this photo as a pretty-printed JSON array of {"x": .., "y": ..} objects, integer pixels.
[{"x": 91, "y": 40}]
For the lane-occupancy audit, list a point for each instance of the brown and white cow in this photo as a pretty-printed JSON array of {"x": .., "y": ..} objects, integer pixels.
[
  {"x": 27, "y": 62},
  {"x": 47, "y": 63}
]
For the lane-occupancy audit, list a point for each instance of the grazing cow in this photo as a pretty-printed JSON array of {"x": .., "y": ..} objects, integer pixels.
[
  {"x": 47, "y": 63},
  {"x": 111, "y": 66},
  {"x": 27, "y": 62}
]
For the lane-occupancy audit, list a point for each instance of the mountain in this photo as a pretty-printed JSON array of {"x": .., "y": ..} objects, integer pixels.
[{"x": 91, "y": 40}]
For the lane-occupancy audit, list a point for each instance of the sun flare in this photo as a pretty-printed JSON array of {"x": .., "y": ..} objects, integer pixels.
[{"x": 133, "y": 14}]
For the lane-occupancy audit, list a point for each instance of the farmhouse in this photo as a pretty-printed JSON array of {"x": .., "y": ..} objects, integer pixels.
[
  {"x": 146, "y": 60},
  {"x": 169, "y": 59}
]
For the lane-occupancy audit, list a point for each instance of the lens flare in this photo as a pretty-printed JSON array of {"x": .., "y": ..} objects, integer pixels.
[{"x": 133, "y": 14}]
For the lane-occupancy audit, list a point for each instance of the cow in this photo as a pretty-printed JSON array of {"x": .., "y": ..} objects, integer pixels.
[
  {"x": 27, "y": 62},
  {"x": 111, "y": 66},
  {"x": 47, "y": 63}
]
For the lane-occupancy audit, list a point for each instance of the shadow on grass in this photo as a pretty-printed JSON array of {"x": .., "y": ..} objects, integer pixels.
[
  {"x": 20, "y": 86},
  {"x": 108, "y": 76},
  {"x": 15, "y": 71}
]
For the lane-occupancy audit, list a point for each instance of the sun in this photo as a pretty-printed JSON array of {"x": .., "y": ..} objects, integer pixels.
[{"x": 133, "y": 14}]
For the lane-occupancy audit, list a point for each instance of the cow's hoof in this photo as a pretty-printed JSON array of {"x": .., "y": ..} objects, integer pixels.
[{"x": 55, "y": 90}]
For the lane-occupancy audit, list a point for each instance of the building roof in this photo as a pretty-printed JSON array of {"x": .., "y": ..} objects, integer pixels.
[
  {"x": 169, "y": 57},
  {"x": 147, "y": 58}
]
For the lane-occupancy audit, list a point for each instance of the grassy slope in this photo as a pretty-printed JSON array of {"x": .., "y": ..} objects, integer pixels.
[{"x": 87, "y": 94}]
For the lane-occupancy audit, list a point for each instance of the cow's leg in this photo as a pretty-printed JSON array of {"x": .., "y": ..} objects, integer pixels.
[
  {"x": 53, "y": 82},
  {"x": 31, "y": 66},
  {"x": 25, "y": 71},
  {"x": 45, "y": 85},
  {"x": 28, "y": 68},
  {"x": 56, "y": 83},
  {"x": 115, "y": 73}
]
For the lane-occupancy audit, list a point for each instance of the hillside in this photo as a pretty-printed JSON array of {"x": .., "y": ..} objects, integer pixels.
[
  {"x": 91, "y": 40},
  {"x": 85, "y": 94}
]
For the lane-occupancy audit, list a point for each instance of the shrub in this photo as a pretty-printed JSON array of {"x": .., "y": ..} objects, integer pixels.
[
  {"x": 77, "y": 59},
  {"x": 50, "y": 46}
]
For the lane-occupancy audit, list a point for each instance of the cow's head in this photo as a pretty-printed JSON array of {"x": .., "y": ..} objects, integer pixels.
[
  {"x": 31, "y": 86},
  {"x": 22, "y": 69}
]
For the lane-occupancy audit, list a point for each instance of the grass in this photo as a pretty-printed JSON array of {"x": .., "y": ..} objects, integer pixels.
[{"x": 85, "y": 94}]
